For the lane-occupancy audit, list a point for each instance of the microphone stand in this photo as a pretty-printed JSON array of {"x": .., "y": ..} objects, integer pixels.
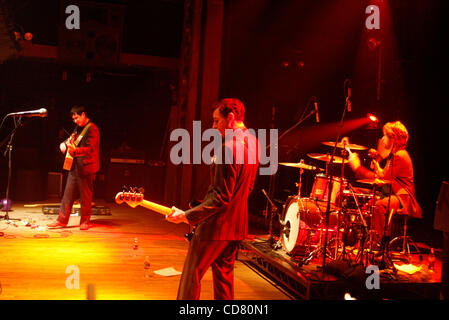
[
  {"x": 271, "y": 189},
  {"x": 274, "y": 210},
  {"x": 8, "y": 150},
  {"x": 326, "y": 235}
]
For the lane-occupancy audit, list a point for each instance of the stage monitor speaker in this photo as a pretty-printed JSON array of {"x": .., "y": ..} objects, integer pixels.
[
  {"x": 441, "y": 220},
  {"x": 119, "y": 175}
]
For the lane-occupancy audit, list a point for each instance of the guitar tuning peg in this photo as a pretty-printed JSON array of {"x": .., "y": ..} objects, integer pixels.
[
  {"x": 141, "y": 190},
  {"x": 124, "y": 189}
]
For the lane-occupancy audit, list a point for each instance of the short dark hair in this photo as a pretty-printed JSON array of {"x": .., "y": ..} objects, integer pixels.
[
  {"x": 228, "y": 105},
  {"x": 78, "y": 110}
]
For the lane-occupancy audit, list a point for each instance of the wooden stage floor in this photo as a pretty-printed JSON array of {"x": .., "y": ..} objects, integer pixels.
[{"x": 42, "y": 264}]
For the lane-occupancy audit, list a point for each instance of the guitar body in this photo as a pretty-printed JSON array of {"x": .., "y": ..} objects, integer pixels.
[{"x": 68, "y": 161}]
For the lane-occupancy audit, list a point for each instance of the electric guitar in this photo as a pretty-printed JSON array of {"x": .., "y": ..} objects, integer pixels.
[
  {"x": 134, "y": 199},
  {"x": 68, "y": 161}
]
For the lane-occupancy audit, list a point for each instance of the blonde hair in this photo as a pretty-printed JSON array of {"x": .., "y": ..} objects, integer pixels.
[{"x": 397, "y": 131}]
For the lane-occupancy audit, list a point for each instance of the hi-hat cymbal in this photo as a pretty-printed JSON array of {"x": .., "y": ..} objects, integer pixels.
[
  {"x": 326, "y": 157},
  {"x": 342, "y": 146},
  {"x": 299, "y": 165},
  {"x": 375, "y": 181}
]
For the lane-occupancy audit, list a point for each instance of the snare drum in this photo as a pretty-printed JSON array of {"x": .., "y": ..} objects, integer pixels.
[
  {"x": 350, "y": 203},
  {"x": 320, "y": 189},
  {"x": 302, "y": 218}
]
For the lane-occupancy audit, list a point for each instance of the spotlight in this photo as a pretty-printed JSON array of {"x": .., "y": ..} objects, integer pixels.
[
  {"x": 373, "y": 118},
  {"x": 28, "y": 36},
  {"x": 373, "y": 121},
  {"x": 373, "y": 43},
  {"x": 6, "y": 205}
]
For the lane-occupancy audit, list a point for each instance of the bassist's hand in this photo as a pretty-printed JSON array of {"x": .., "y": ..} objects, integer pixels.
[{"x": 177, "y": 216}]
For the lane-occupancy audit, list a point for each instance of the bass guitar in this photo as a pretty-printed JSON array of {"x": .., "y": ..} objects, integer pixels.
[{"x": 134, "y": 199}]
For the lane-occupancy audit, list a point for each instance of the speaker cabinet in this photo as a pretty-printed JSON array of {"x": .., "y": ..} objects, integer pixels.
[
  {"x": 30, "y": 185},
  {"x": 98, "y": 40}
]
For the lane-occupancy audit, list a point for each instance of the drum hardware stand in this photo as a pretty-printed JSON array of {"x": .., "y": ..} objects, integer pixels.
[
  {"x": 364, "y": 225},
  {"x": 346, "y": 108},
  {"x": 274, "y": 210},
  {"x": 8, "y": 150}
]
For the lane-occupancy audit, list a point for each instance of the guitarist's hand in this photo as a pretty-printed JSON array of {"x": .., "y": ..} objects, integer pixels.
[
  {"x": 63, "y": 147},
  {"x": 177, "y": 216},
  {"x": 70, "y": 149}
]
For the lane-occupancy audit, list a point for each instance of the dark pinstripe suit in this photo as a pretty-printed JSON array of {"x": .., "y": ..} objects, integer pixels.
[{"x": 221, "y": 219}]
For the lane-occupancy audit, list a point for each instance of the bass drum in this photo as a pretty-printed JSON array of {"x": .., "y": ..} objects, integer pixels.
[{"x": 302, "y": 218}]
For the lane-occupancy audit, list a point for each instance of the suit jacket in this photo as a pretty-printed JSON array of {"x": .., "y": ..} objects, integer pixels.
[
  {"x": 399, "y": 169},
  {"x": 87, "y": 153},
  {"x": 223, "y": 214}
]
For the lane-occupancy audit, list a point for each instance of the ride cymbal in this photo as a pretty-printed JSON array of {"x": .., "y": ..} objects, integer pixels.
[
  {"x": 342, "y": 146},
  {"x": 299, "y": 165},
  {"x": 326, "y": 157}
]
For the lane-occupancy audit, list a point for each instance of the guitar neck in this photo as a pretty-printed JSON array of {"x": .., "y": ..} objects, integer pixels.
[{"x": 156, "y": 207}]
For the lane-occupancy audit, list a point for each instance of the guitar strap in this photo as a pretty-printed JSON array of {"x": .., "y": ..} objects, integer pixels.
[{"x": 81, "y": 135}]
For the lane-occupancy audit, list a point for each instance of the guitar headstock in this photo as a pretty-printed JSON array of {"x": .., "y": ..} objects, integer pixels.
[{"x": 133, "y": 197}]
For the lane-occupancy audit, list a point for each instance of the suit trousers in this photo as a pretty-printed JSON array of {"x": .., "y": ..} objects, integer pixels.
[
  {"x": 220, "y": 254},
  {"x": 77, "y": 186}
]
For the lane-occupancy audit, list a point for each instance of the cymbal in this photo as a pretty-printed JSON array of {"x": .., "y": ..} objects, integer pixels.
[
  {"x": 375, "y": 181},
  {"x": 327, "y": 158},
  {"x": 299, "y": 165},
  {"x": 342, "y": 146}
]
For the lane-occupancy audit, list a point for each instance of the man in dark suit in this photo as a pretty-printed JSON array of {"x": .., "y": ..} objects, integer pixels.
[
  {"x": 86, "y": 163},
  {"x": 222, "y": 217}
]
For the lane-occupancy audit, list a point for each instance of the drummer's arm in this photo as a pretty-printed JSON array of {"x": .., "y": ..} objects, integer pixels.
[{"x": 360, "y": 171}]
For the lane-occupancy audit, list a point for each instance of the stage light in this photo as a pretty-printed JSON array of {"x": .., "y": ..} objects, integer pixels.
[
  {"x": 6, "y": 205},
  {"x": 373, "y": 118},
  {"x": 373, "y": 43},
  {"x": 28, "y": 36}
]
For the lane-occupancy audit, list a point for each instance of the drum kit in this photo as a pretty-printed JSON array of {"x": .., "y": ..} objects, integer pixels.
[{"x": 303, "y": 219}]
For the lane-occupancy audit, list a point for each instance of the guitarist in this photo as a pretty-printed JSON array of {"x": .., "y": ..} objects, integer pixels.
[
  {"x": 83, "y": 146},
  {"x": 222, "y": 217}
]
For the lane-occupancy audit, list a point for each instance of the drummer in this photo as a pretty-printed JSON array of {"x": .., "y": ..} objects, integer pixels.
[{"x": 398, "y": 170}]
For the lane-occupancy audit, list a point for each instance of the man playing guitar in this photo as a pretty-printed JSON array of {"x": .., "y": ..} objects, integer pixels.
[{"x": 83, "y": 147}]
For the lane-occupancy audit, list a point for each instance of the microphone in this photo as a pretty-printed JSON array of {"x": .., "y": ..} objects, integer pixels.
[
  {"x": 317, "y": 115},
  {"x": 42, "y": 112}
]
